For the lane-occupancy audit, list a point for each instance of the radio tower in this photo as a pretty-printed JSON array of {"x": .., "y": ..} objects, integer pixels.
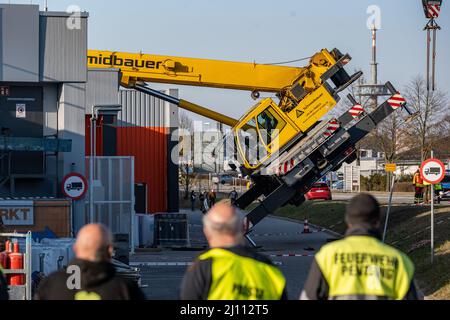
[
  {"x": 374, "y": 65},
  {"x": 372, "y": 90}
]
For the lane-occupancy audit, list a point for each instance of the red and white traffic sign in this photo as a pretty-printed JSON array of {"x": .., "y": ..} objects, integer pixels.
[
  {"x": 432, "y": 170},
  {"x": 74, "y": 186}
]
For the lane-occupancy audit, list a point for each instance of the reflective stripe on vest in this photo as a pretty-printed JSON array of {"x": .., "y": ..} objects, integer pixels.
[
  {"x": 363, "y": 265},
  {"x": 240, "y": 278}
]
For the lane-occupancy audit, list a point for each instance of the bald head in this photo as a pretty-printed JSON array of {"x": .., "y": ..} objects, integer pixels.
[
  {"x": 94, "y": 243},
  {"x": 222, "y": 225}
]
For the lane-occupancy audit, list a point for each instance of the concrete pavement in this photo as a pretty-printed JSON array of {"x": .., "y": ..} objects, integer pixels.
[{"x": 162, "y": 272}]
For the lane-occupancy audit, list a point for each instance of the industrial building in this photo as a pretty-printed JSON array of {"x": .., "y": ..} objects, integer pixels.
[{"x": 47, "y": 95}]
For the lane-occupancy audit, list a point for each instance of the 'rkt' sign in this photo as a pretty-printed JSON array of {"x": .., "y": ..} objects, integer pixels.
[{"x": 17, "y": 213}]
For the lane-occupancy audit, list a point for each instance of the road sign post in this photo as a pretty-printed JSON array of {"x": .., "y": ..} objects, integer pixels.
[
  {"x": 389, "y": 208},
  {"x": 432, "y": 171}
]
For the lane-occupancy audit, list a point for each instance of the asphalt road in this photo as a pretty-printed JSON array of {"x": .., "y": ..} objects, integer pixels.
[
  {"x": 382, "y": 197},
  {"x": 162, "y": 272}
]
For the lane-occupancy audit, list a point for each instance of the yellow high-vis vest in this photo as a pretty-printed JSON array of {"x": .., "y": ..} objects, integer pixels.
[
  {"x": 364, "y": 266},
  {"x": 236, "y": 277},
  {"x": 417, "y": 180}
]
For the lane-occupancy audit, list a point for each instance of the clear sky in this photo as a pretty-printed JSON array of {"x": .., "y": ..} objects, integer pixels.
[{"x": 266, "y": 31}]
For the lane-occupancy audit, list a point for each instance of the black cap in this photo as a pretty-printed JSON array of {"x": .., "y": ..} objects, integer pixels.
[{"x": 363, "y": 209}]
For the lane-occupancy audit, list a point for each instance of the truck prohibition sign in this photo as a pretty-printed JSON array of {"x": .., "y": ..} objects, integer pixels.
[
  {"x": 432, "y": 171},
  {"x": 74, "y": 186}
]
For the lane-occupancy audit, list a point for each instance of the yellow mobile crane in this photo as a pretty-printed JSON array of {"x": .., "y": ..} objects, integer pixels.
[
  {"x": 305, "y": 96},
  {"x": 283, "y": 147}
]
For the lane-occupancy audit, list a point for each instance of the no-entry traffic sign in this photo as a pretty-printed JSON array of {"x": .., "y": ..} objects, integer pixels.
[
  {"x": 74, "y": 186},
  {"x": 432, "y": 170}
]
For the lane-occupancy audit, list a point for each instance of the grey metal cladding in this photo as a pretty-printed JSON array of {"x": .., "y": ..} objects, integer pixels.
[
  {"x": 63, "y": 51},
  {"x": 19, "y": 38},
  {"x": 140, "y": 109},
  {"x": 102, "y": 87}
]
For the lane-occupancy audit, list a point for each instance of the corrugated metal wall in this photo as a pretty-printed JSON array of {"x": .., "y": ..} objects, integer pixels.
[
  {"x": 143, "y": 130},
  {"x": 19, "y": 48},
  {"x": 142, "y": 133},
  {"x": 142, "y": 110},
  {"x": 149, "y": 148},
  {"x": 63, "y": 51},
  {"x": 102, "y": 87}
]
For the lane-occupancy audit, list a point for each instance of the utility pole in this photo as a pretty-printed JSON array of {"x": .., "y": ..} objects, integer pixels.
[
  {"x": 431, "y": 9},
  {"x": 372, "y": 90},
  {"x": 374, "y": 65}
]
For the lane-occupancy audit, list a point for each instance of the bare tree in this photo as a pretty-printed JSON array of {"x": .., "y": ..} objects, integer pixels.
[
  {"x": 186, "y": 151},
  {"x": 432, "y": 108},
  {"x": 185, "y": 122},
  {"x": 388, "y": 135}
]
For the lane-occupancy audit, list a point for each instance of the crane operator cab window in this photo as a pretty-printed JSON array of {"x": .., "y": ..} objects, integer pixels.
[
  {"x": 249, "y": 142},
  {"x": 258, "y": 134},
  {"x": 269, "y": 126}
]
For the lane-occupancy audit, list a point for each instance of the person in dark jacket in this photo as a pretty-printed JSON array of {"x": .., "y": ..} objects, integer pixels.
[
  {"x": 3, "y": 287},
  {"x": 230, "y": 270},
  {"x": 360, "y": 266},
  {"x": 233, "y": 196},
  {"x": 212, "y": 198},
  {"x": 91, "y": 275},
  {"x": 201, "y": 198},
  {"x": 193, "y": 197}
]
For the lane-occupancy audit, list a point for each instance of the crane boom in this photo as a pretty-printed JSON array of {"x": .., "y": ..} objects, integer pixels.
[{"x": 138, "y": 67}]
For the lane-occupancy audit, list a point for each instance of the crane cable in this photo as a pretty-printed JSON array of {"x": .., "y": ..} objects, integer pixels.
[{"x": 286, "y": 62}]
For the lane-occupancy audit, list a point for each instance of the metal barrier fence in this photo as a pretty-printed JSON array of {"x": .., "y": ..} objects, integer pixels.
[{"x": 111, "y": 187}]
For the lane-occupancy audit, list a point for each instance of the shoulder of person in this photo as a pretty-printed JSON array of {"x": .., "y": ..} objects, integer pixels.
[
  {"x": 200, "y": 265},
  {"x": 251, "y": 253}
]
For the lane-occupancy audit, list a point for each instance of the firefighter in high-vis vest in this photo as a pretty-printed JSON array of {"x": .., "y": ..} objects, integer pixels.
[
  {"x": 229, "y": 270},
  {"x": 418, "y": 187},
  {"x": 360, "y": 266},
  {"x": 437, "y": 192}
]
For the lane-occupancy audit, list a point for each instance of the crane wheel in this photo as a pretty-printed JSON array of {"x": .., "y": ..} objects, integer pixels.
[
  {"x": 322, "y": 163},
  {"x": 255, "y": 94}
]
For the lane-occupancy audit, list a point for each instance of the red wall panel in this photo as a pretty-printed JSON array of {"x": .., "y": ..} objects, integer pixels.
[{"x": 148, "y": 145}]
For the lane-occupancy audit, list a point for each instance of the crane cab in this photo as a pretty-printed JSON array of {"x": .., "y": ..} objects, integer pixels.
[
  {"x": 262, "y": 132},
  {"x": 265, "y": 129}
]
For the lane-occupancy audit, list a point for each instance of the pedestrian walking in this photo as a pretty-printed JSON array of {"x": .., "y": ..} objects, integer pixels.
[
  {"x": 233, "y": 196},
  {"x": 360, "y": 266},
  {"x": 91, "y": 275},
  {"x": 201, "y": 199},
  {"x": 230, "y": 270},
  {"x": 193, "y": 197},
  {"x": 212, "y": 198}
]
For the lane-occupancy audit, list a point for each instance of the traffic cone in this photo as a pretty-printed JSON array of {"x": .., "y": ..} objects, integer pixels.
[{"x": 306, "y": 227}]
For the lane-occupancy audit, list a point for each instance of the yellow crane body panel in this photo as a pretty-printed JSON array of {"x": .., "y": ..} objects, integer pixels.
[{"x": 195, "y": 72}]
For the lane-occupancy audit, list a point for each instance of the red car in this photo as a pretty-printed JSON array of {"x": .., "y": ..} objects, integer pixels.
[{"x": 318, "y": 191}]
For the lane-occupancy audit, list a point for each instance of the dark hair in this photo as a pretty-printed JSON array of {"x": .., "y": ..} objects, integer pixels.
[{"x": 363, "y": 209}]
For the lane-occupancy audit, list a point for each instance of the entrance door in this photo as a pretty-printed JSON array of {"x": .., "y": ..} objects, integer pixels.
[{"x": 140, "y": 198}]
